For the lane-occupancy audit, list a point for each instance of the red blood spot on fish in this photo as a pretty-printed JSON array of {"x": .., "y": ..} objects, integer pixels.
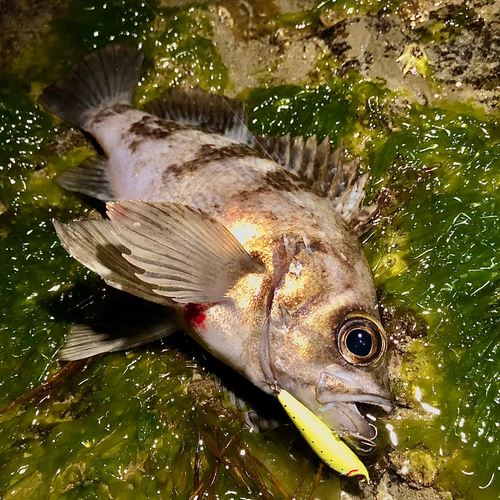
[{"x": 195, "y": 315}]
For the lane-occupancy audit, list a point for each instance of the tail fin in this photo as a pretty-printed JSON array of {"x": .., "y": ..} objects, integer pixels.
[{"x": 103, "y": 78}]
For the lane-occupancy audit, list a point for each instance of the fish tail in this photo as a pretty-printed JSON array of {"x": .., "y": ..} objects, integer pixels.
[{"x": 100, "y": 80}]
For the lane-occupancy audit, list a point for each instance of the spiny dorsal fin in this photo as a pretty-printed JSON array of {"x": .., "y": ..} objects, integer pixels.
[
  {"x": 183, "y": 252},
  {"x": 359, "y": 218},
  {"x": 90, "y": 178},
  {"x": 101, "y": 79},
  {"x": 199, "y": 108},
  {"x": 326, "y": 172}
]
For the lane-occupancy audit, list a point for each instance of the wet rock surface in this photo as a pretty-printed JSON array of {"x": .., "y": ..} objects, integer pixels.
[
  {"x": 458, "y": 44},
  {"x": 21, "y": 24}
]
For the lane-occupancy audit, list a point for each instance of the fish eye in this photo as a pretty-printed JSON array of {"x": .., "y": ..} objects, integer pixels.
[{"x": 361, "y": 340}]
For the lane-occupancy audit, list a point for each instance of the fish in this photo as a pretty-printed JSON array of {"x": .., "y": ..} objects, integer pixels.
[{"x": 249, "y": 244}]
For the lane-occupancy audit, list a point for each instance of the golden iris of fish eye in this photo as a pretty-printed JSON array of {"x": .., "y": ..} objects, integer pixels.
[{"x": 360, "y": 321}]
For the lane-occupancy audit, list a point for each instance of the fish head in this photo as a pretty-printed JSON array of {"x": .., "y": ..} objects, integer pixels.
[{"x": 326, "y": 344}]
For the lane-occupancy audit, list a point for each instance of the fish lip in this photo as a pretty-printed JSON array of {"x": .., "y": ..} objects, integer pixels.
[
  {"x": 370, "y": 399},
  {"x": 349, "y": 390}
]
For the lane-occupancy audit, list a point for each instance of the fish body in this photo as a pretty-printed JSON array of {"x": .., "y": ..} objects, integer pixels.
[{"x": 253, "y": 246}]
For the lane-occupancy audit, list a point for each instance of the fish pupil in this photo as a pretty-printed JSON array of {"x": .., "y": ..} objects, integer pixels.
[{"x": 359, "y": 342}]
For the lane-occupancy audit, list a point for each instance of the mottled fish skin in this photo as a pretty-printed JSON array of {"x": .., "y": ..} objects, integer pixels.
[
  {"x": 280, "y": 327},
  {"x": 154, "y": 159}
]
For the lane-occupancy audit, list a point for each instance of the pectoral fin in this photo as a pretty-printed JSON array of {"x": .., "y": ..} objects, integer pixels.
[
  {"x": 184, "y": 253},
  {"x": 94, "y": 244}
]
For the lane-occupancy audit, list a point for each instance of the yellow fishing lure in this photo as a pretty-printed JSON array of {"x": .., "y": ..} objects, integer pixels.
[{"x": 322, "y": 440}]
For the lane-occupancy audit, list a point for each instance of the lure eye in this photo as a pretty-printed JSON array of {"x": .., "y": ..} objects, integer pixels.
[{"x": 361, "y": 340}]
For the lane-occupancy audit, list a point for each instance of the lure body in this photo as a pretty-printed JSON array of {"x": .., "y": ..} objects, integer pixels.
[{"x": 326, "y": 444}]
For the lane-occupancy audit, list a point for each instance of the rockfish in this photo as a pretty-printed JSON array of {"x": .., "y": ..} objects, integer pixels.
[{"x": 250, "y": 244}]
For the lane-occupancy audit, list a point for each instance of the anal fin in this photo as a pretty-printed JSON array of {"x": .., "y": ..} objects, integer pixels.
[{"x": 89, "y": 178}]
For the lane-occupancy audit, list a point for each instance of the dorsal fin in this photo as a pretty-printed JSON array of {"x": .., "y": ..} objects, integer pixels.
[
  {"x": 326, "y": 172},
  {"x": 199, "y": 108}
]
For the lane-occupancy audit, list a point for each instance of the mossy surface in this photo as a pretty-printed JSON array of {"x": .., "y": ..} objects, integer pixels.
[{"x": 129, "y": 425}]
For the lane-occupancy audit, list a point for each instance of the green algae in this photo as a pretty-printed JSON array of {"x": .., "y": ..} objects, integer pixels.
[
  {"x": 182, "y": 53},
  {"x": 446, "y": 30},
  {"x": 451, "y": 277},
  {"x": 30, "y": 271},
  {"x": 177, "y": 44},
  {"x": 349, "y": 108},
  {"x": 130, "y": 424},
  {"x": 351, "y": 8}
]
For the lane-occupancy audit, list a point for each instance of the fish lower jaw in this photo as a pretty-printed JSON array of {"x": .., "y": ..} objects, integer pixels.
[{"x": 351, "y": 423}]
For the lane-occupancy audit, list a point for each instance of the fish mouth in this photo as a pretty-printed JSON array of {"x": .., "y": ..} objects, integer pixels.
[
  {"x": 345, "y": 402},
  {"x": 346, "y": 414}
]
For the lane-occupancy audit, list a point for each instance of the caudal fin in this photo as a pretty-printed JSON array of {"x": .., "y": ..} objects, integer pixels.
[{"x": 101, "y": 79}]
